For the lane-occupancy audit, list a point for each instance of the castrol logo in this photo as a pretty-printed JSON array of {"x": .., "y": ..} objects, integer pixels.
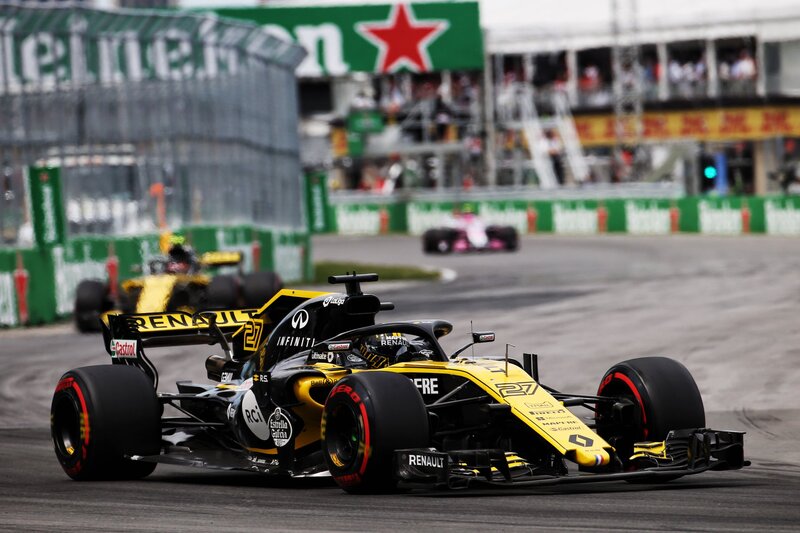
[{"x": 123, "y": 349}]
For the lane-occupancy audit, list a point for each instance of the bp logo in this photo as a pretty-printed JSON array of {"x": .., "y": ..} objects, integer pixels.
[{"x": 279, "y": 427}]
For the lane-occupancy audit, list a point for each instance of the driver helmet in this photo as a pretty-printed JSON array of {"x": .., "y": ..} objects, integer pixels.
[
  {"x": 381, "y": 350},
  {"x": 180, "y": 255}
]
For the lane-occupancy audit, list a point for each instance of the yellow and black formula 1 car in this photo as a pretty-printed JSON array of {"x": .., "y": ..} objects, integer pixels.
[
  {"x": 177, "y": 282},
  {"x": 309, "y": 384}
]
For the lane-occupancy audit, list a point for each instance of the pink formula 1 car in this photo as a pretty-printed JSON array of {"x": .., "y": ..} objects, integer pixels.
[{"x": 465, "y": 233}]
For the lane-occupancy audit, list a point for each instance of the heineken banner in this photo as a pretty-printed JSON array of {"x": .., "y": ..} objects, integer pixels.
[
  {"x": 53, "y": 45},
  {"x": 317, "y": 202},
  {"x": 417, "y": 37},
  {"x": 44, "y": 185},
  {"x": 779, "y": 215}
]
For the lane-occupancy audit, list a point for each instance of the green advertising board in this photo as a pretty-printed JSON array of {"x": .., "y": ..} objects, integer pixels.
[
  {"x": 44, "y": 185},
  {"x": 379, "y": 38},
  {"x": 365, "y": 121},
  {"x": 317, "y": 202},
  {"x": 773, "y": 215}
]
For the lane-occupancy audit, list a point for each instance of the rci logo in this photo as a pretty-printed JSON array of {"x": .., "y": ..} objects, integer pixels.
[
  {"x": 581, "y": 440},
  {"x": 300, "y": 319}
]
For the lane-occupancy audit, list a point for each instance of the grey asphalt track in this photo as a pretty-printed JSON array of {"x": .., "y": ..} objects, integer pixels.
[{"x": 725, "y": 307}]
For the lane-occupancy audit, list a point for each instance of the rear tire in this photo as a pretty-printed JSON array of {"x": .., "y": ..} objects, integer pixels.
[
  {"x": 91, "y": 300},
  {"x": 510, "y": 238},
  {"x": 223, "y": 292},
  {"x": 665, "y": 397},
  {"x": 259, "y": 287},
  {"x": 99, "y": 416},
  {"x": 366, "y": 418},
  {"x": 430, "y": 241}
]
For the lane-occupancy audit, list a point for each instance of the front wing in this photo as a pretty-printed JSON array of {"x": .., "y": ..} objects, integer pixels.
[{"x": 684, "y": 452}]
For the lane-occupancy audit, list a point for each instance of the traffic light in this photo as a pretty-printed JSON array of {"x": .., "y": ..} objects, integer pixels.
[
  {"x": 708, "y": 172},
  {"x": 713, "y": 172}
]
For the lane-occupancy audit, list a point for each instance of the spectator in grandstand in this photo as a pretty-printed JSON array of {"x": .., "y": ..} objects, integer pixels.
[
  {"x": 393, "y": 100},
  {"x": 591, "y": 85},
  {"x": 505, "y": 97},
  {"x": 363, "y": 100},
  {"x": 700, "y": 71},
  {"x": 590, "y": 79},
  {"x": 555, "y": 148},
  {"x": 650, "y": 77},
  {"x": 725, "y": 70},
  {"x": 466, "y": 91},
  {"x": 442, "y": 116},
  {"x": 675, "y": 71},
  {"x": 745, "y": 66}
]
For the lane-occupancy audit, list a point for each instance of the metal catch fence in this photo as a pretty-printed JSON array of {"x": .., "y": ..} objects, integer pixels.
[{"x": 155, "y": 118}]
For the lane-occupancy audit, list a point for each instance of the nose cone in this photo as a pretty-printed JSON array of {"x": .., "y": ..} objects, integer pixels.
[{"x": 592, "y": 457}]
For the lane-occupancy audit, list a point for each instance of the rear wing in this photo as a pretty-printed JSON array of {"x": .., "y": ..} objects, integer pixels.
[
  {"x": 221, "y": 258},
  {"x": 238, "y": 331},
  {"x": 172, "y": 329},
  {"x": 126, "y": 336}
]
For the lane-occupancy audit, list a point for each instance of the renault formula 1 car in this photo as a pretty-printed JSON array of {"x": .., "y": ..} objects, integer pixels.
[
  {"x": 173, "y": 285},
  {"x": 465, "y": 232},
  {"x": 309, "y": 384}
]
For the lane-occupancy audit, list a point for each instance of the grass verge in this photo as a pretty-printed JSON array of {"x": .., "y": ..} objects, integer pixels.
[{"x": 323, "y": 269}]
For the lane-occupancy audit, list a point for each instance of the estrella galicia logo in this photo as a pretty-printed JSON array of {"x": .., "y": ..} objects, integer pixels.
[{"x": 300, "y": 319}]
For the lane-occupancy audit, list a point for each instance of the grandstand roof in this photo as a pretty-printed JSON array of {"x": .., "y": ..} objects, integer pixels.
[
  {"x": 518, "y": 26},
  {"x": 524, "y": 26}
]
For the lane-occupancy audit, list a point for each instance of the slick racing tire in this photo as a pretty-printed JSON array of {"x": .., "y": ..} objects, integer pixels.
[
  {"x": 431, "y": 240},
  {"x": 100, "y": 416},
  {"x": 259, "y": 287},
  {"x": 367, "y": 417},
  {"x": 506, "y": 234},
  {"x": 91, "y": 300},
  {"x": 222, "y": 292},
  {"x": 510, "y": 238},
  {"x": 665, "y": 397},
  {"x": 439, "y": 241}
]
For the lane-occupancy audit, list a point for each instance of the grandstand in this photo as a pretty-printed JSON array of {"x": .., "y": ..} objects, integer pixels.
[{"x": 712, "y": 77}]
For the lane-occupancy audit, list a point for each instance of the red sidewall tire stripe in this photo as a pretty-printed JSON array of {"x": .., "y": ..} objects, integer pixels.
[
  {"x": 365, "y": 421},
  {"x": 629, "y": 383},
  {"x": 70, "y": 383}
]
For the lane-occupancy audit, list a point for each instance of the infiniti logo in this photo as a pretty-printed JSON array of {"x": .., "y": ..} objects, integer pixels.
[{"x": 300, "y": 319}]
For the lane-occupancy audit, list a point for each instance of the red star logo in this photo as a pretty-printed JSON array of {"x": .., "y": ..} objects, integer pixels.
[{"x": 402, "y": 40}]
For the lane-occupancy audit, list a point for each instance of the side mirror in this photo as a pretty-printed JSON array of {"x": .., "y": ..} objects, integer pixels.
[
  {"x": 482, "y": 336},
  {"x": 477, "y": 338}
]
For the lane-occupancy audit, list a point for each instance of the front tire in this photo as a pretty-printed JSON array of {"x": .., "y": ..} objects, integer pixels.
[
  {"x": 367, "y": 417},
  {"x": 665, "y": 397},
  {"x": 100, "y": 416}
]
